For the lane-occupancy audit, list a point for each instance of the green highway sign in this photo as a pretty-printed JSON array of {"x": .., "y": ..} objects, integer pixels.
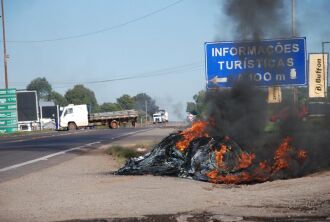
[
  {"x": 7, "y": 92},
  {"x": 7, "y": 100},
  {"x": 9, "y": 122},
  {"x": 8, "y": 111},
  {"x": 8, "y": 129},
  {"x": 8, "y": 114},
  {"x": 8, "y": 107}
]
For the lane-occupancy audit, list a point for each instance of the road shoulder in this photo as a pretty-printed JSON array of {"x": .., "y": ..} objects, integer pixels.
[{"x": 84, "y": 188}]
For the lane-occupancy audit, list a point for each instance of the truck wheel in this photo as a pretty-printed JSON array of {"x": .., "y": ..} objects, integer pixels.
[
  {"x": 114, "y": 125},
  {"x": 72, "y": 127}
]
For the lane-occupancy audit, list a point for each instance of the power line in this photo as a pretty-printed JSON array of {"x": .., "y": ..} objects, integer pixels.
[
  {"x": 142, "y": 76},
  {"x": 101, "y": 30},
  {"x": 167, "y": 71},
  {"x": 172, "y": 70}
]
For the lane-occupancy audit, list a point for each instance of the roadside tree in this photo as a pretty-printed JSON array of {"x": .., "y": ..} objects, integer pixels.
[
  {"x": 142, "y": 100},
  {"x": 58, "y": 99},
  {"x": 198, "y": 107},
  {"x": 42, "y": 86},
  {"x": 109, "y": 107},
  {"x": 126, "y": 102},
  {"x": 81, "y": 95}
]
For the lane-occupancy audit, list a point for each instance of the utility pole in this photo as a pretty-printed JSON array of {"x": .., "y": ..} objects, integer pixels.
[
  {"x": 146, "y": 102},
  {"x": 293, "y": 25},
  {"x": 4, "y": 45}
]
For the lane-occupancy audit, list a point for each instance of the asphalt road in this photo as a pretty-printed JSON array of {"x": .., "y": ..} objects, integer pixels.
[{"x": 22, "y": 152}]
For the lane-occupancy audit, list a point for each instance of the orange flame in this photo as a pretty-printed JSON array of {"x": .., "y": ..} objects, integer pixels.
[
  {"x": 282, "y": 157},
  {"x": 263, "y": 165},
  {"x": 197, "y": 130},
  {"x": 212, "y": 175},
  {"x": 245, "y": 160},
  {"x": 219, "y": 155},
  {"x": 263, "y": 172},
  {"x": 243, "y": 177},
  {"x": 301, "y": 155}
]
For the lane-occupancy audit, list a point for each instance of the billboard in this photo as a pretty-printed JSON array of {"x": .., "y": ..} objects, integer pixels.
[
  {"x": 318, "y": 75},
  {"x": 8, "y": 111},
  {"x": 276, "y": 62},
  {"x": 27, "y": 106}
]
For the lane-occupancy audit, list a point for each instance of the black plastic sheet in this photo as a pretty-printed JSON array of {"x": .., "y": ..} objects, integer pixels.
[{"x": 196, "y": 161}]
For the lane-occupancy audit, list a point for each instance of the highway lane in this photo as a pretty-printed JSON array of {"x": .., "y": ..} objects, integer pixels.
[{"x": 19, "y": 151}]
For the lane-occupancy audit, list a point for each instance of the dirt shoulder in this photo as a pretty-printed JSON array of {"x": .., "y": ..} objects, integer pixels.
[{"x": 85, "y": 188}]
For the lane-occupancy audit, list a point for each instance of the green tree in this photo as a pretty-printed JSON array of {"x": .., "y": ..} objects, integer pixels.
[
  {"x": 142, "y": 99},
  {"x": 42, "y": 86},
  {"x": 58, "y": 99},
  {"x": 198, "y": 106},
  {"x": 81, "y": 95},
  {"x": 191, "y": 108},
  {"x": 109, "y": 107},
  {"x": 126, "y": 102}
]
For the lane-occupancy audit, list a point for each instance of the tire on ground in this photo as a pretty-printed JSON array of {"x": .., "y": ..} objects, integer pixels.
[{"x": 72, "y": 126}]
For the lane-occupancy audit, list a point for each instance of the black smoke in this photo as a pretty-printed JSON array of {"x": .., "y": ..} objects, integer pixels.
[
  {"x": 239, "y": 112},
  {"x": 257, "y": 19},
  {"x": 242, "y": 112}
]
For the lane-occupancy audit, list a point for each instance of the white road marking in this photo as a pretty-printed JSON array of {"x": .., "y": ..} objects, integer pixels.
[
  {"x": 65, "y": 151},
  {"x": 46, "y": 157}
]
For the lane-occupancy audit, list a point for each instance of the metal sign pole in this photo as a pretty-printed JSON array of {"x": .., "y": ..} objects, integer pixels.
[
  {"x": 325, "y": 71},
  {"x": 295, "y": 88}
]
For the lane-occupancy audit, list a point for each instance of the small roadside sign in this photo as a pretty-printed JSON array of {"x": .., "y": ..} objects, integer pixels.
[
  {"x": 318, "y": 75},
  {"x": 8, "y": 111},
  {"x": 274, "y": 94}
]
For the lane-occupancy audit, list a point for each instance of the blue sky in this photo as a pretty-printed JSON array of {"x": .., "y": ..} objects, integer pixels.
[{"x": 168, "y": 44}]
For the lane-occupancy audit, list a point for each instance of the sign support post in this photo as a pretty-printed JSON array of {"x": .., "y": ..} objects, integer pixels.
[{"x": 326, "y": 90}]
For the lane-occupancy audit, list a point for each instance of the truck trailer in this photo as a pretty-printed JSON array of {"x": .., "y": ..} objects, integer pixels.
[{"x": 78, "y": 116}]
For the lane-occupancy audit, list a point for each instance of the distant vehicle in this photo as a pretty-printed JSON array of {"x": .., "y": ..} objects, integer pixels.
[
  {"x": 160, "y": 117},
  {"x": 77, "y": 116}
]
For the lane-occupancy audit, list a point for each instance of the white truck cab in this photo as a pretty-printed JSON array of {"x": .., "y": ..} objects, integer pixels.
[
  {"x": 160, "y": 117},
  {"x": 74, "y": 116}
]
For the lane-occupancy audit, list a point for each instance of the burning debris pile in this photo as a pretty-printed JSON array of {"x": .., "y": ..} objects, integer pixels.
[
  {"x": 232, "y": 146},
  {"x": 194, "y": 154}
]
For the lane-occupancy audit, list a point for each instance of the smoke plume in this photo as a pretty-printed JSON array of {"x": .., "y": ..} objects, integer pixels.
[
  {"x": 242, "y": 112},
  {"x": 257, "y": 19}
]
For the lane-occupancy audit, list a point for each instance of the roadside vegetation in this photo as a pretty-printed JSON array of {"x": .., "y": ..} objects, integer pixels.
[
  {"x": 80, "y": 94},
  {"x": 23, "y": 133}
]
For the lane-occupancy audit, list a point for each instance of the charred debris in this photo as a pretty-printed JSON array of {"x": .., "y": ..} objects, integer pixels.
[{"x": 193, "y": 154}]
